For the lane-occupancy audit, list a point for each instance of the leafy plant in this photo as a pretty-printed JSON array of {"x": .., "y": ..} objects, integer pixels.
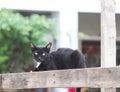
[{"x": 16, "y": 31}]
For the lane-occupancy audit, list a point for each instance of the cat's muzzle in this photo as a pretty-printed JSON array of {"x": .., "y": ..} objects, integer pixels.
[{"x": 40, "y": 59}]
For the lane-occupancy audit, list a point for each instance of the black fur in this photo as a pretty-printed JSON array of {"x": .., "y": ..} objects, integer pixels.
[{"x": 63, "y": 58}]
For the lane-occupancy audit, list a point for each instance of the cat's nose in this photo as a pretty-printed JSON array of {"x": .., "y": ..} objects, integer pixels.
[{"x": 41, "y": 59}]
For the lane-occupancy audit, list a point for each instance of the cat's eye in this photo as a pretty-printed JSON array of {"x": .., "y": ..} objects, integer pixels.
[
  {"x": 43, "y": 54},
  {"x": 36, "y": 53}
]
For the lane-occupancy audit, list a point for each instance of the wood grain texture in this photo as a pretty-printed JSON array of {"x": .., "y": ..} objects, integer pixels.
[
  {"x": 108, "y": 36},
  {"x": 89, "y": 77},
  {"x": 108, "y": 33}
]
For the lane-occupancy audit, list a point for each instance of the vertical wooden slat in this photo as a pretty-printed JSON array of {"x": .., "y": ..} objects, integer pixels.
[
  {"x": 108, "y": 90},
  {"x": 108, "y": 34},
  {"x": 108, "y": 37}
]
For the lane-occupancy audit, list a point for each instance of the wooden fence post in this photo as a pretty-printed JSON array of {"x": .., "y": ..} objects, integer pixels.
[{"x": 108, "y": 37}]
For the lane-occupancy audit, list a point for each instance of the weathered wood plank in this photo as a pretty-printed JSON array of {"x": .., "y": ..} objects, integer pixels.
[
  {"x": 108, "y": 33},
  {"x": 93, "y": 77},
  {"x": 108, "y": 36},
  {"x": 108, "y": 90}
]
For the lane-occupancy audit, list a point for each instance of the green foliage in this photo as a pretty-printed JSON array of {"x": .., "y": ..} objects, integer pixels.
[{"x": 16, "y": 31}]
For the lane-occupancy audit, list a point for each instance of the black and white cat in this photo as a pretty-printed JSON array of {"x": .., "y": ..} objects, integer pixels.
[{"x": 63, "y": 58}]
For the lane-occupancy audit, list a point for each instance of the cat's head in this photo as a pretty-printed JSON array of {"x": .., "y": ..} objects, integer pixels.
[{"x": 41, "y": 54}]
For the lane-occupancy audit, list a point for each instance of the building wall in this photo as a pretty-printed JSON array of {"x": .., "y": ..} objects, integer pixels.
[{"x": 89, "y": 23}]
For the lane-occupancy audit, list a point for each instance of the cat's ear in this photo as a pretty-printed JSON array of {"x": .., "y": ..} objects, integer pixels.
[
  {"x": 48, "y": 47},
  {"x": 32, "y": 45}
]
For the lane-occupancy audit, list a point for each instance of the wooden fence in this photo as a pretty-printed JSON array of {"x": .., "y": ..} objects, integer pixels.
[
  {"x": 89, "y": 77},
  {"x": 106, "y": 78}
]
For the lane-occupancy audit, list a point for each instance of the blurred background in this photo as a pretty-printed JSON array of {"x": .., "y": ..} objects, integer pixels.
[
  {"x": 17, "y": 29},
  {"x": 76, "y": 26}
]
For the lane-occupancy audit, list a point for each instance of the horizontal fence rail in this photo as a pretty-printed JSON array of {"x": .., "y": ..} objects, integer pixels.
[{"x": 89, "y": 77}]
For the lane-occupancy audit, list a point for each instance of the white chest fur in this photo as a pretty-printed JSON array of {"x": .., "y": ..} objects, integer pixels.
[{"x": 37, "y": 64}]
